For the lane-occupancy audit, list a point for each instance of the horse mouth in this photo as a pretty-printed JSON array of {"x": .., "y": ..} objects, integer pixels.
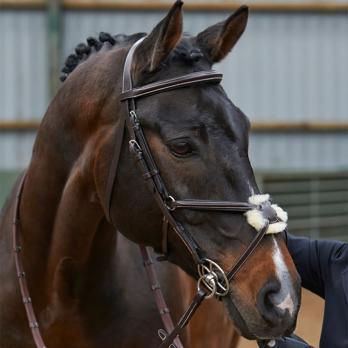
[{"x": 256, "y": 329}]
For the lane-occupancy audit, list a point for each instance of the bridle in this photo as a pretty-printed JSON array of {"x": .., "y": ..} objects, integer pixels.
[
  {"x": 213, "y": 280},
  {"x": 139, "y": 148}
]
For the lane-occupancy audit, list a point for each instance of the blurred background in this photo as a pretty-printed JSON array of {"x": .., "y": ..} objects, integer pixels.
[{"x": 288, "y": 73}]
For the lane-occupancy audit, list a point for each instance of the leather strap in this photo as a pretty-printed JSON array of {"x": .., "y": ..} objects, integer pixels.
[
  {"x": 186, "y": 317},
  {"x": 247, "y": 253},
  {"x": 119, "y": 135},
  {"x": 127, "y": 84},
  {"x": 17, "y": 249},
  {"x": 201, "y": 294},
  {"x": 159, "y": 298},
  {"x": 170, "y": 84},
  {"x": 210, "y": 205},
  {"x": 165, "y": 226}
]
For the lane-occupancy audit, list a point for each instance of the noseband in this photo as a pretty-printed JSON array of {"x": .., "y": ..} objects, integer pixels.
[{"x": 212, "y": 279}]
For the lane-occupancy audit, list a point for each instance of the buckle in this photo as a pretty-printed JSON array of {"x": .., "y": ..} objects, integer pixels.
[
  {"x": 214, "y": 279},
  {"x": 134, "y": 145},
  {"x": 168, "y": 201},
  {"x": 135, "y": 149},
  {"x": 163, "y": 335},
  {"x": 134, "y": 118}
]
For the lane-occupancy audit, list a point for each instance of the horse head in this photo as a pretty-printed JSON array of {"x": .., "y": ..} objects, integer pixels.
[{"x": 199, "y": 141}]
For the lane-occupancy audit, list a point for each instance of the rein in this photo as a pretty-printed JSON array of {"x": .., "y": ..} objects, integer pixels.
[
  {"x": 213, "y": 280},
  {"x": 17, "y": 249}
]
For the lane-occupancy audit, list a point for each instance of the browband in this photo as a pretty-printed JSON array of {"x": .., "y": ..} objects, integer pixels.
[
  {"x": 129, "y": 92},
  {"x": 173, "y": 83}
]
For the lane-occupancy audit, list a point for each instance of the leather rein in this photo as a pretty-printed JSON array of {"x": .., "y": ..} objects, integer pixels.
[{"x": 213, "y": 280}]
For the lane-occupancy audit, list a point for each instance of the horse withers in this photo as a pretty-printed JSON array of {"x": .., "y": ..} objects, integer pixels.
[{"x": 86, "y": 281}]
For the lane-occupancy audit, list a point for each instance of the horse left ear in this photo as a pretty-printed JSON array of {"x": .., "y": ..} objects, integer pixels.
[
  {"x": 218, "y": 40},
  {"x": 160, "y": 42}
]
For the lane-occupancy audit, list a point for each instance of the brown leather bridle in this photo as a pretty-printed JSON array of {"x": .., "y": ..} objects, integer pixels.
[
  {"x": 213, "y": 280},
  {"x": 139, "y": 148}
]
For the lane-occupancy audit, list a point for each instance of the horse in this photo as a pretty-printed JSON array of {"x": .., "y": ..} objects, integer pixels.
[{"x": 82, "y": 265}]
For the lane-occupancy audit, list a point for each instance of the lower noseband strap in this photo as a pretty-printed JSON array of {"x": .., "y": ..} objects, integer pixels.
[
  {"x": 196, "y": 302},
  {"x": 247, "y": 253}
]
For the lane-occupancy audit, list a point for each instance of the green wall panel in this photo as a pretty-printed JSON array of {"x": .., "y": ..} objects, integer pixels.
[{"x": 7, "y": 180}]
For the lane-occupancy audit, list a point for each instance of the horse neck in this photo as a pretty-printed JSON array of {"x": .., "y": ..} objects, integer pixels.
[{"x": 60, "y": 209}]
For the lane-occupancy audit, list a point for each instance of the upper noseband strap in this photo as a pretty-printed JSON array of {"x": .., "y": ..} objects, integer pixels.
[{"x": 210, "y": 205}]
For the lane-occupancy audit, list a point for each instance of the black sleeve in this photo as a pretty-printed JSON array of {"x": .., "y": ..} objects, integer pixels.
[
  {"x": 292, "y": 341},
  {"x": 315, "y": 259}
]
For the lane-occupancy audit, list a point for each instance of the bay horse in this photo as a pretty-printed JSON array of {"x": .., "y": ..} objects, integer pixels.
[{"x": 86, "y": 280}]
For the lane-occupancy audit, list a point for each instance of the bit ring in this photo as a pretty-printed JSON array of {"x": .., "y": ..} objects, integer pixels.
[{"x": 213, "y": 277}]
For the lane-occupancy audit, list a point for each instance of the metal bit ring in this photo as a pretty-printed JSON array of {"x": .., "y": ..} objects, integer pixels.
[
  {"x": 213, "y": 277},
  {"x": 212, "y": 285}
]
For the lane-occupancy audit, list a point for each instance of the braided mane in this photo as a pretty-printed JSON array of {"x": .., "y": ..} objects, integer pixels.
[
  {"x": 83, "y": 51},
  {"x": 185, "y": 51}
]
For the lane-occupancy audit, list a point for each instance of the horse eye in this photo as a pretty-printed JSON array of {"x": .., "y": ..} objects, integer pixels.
[{"x": 181, "y": 149}]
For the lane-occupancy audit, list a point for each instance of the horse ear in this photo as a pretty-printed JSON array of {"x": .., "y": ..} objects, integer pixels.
[
  {"x": 160, "y": 42},
  {"x": 218, "y": 40}
]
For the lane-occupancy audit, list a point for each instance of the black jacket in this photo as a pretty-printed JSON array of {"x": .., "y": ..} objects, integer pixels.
[{"x": 323, "y": 267}]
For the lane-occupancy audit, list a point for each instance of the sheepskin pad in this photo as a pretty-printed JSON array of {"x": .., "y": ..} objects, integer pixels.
[{"x": 256, "y": 219}]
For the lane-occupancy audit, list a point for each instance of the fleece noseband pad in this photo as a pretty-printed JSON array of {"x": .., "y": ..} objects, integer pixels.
[{"x": 266, "y": 211}]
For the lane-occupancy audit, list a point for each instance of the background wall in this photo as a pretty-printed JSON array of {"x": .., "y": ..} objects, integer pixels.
[
  {"x": 289, "y": 67},
  {"x": 288, "y": 73}
]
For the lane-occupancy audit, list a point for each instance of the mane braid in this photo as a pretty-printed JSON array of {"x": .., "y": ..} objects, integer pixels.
[{"x": 83, "y": 50}]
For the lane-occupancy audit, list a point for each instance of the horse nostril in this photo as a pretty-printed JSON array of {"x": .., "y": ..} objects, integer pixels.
[{"x": 270, "y": 302}]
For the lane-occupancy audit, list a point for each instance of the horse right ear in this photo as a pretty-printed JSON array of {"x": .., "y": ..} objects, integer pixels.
[
  {"x": 218, "y": 40},
  {"x": 160, "y": 42}
]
